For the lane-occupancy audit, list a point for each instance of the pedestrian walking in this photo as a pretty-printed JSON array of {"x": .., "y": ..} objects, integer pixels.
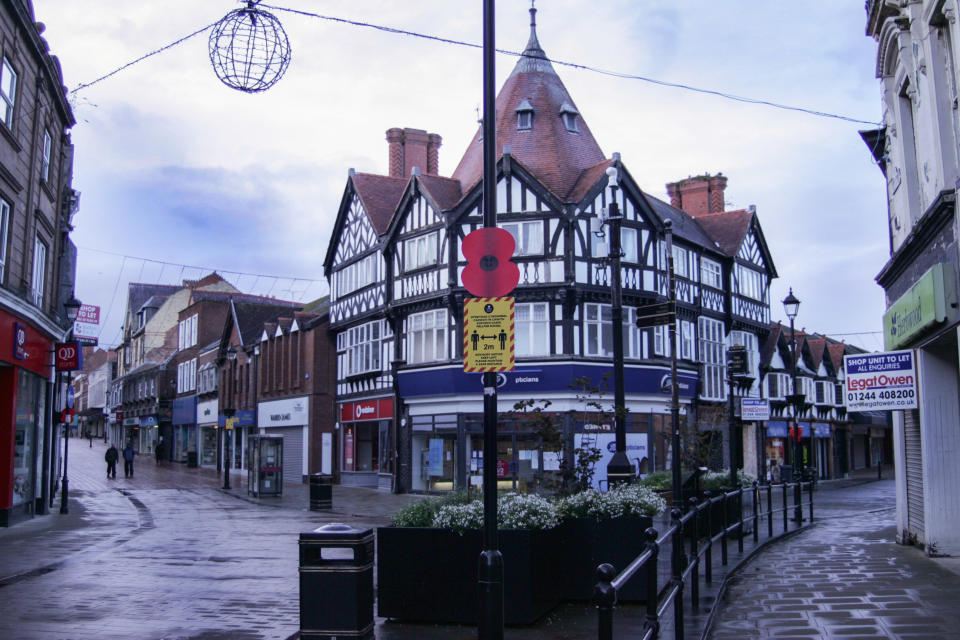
[
  {"x": 111, "y": 457},
  {"x": 160, "y": 450},
  {"x": 90, "y": 437},
  {"x": 128, "y": 455}
]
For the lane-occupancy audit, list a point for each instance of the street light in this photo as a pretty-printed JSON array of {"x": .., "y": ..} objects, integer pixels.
[
  {"x": 71, "y": 307},
  {"x": 619, "y": 469},
  {"x": 791, "y": 305},
  {"x": 228, "y": 412}
]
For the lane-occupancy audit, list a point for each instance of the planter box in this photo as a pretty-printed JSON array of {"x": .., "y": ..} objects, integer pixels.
[
  {"x": 588, "y": 543},
  {"x": 430, "y": 575}
]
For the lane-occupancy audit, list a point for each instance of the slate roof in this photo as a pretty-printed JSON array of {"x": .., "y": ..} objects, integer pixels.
[
  {"x": 555, "y": 156},
  {"x": 727, "y": 228},
  {"x": 380, "y": 196},
  {"x": 138, "y": 293},
  {"x": 251, "y": 316},
  {"x": 684, "y": 226}
]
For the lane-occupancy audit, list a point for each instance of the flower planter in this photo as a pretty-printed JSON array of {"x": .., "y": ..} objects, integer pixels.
[
  {"x": 430, "y": 575},
  {"x": 588, "y": 543}
]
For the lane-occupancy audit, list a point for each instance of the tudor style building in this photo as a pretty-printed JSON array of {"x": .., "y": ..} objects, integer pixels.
[{"x": 410, "y": 419}]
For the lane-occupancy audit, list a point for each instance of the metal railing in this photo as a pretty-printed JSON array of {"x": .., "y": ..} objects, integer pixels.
[{"x": 696, "y": 528}]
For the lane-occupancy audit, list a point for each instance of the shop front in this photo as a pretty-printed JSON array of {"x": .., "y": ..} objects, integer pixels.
[
  {"x": 208, "y": 428},
  {"x": 290, "y": 418},
  {"x": 244, "y": 422},
  {"x": 149, "y": 435},
  {"x": 25, "y": 440},
  {"x": 366, "y": 455},
  {"x": 185, "y": 430},
  {"x": 131, "y": 433}
]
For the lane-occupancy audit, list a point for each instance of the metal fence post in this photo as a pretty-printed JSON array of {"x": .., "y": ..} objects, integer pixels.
[
  {"x": 769, "y": 510},
  {"x": 605, "y": 597},
  {"x": 786, "y": 507},
  {"x": 755, "y": 499},
  {"x": 677, "y": 571},
  {"x": 811, "y": 502},
  {"x": 740, "y": 532},
  {"x": 707, "y": 506},
  {"x": 652, "y": 618},
  {"x": 723, "y": 534},
  {"x": 695, "y": 556},
  {"x": 797, "y": 506}
]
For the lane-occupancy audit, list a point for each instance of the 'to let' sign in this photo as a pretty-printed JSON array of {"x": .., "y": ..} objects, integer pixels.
[{"x": 489, "y": 272}]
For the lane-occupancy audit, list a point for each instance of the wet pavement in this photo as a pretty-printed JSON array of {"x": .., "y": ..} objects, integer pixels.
[{"x": 170, "y": 555}]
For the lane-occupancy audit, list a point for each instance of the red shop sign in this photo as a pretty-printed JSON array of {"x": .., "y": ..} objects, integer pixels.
[
  {"x": 69, "y": 356},
  {"x": 380, "y": 409}
]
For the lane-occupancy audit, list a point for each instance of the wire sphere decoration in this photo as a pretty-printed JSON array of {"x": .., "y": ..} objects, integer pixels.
[{"x": 249, "y": 49}]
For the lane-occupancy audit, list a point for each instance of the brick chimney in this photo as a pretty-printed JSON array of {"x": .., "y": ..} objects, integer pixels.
[
  {"x": 699, "y": 195},
  {"x": 409, "y": 148}
]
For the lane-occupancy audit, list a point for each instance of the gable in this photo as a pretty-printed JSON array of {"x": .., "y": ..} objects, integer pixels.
[
  {"x": 357, "y": 235},
  {"x": 750, "y": 250}
]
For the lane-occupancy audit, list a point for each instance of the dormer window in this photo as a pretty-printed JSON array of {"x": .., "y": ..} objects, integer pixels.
[
  {"x": 569, "y": 116},
  {"x": 524, "y": 116}
]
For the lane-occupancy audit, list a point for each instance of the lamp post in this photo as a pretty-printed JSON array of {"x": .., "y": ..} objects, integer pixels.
[
  {"x": 791, "y": 305},
  {"x": 71, "y": 307},
  {"x": 619, "y": 469},
  {"x": 674, "y": 386},
  {"x": 228, "y": 412}
]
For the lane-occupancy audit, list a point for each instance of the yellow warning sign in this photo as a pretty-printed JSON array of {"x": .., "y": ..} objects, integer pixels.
[{"x": 488, "y": 334}]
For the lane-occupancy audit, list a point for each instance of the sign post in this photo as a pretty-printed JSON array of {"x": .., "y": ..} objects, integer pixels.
[
  {"x": 880, "y": 381},
  {"x": 68, "y": 356}
]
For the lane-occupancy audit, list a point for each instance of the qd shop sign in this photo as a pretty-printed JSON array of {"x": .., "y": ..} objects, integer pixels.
[{"x": 880, "y": 381}]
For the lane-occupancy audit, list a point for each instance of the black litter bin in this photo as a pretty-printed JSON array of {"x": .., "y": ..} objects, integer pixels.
[
  {"x": 321, "y": 492},
  {"x": 336, "y": 583},
  {"x": 786, "y": 473}
]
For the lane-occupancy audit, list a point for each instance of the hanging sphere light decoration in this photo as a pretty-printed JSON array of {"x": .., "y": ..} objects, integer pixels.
[{"x": 249, "y": 49}]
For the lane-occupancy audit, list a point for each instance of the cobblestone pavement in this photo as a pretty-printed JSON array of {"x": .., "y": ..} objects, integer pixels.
[{"x": 843, "y": 578}]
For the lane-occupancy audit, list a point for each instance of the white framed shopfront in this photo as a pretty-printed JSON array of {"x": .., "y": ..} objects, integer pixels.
[
  {"x": 208, "y": 432},
  {"x": 290, "y": 418}
]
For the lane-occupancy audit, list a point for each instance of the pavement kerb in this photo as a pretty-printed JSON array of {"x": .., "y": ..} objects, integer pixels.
[{"x": 735, "y": 569}]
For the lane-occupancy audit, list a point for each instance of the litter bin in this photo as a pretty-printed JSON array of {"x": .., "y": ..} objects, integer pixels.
[
  {"x": 191, "y": 458},
  {"x": 336, "y": 583},
  {"x": 786, "y": 472},
  {"x": 321, "y": 492}
]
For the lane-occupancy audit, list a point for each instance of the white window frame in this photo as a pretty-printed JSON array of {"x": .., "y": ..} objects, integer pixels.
[
  {"x": 8, "y": 91},
  {"x": 39, "y": 270},
  {"x": 748, "y": 340},
  {"x": 681, "y": 262},
  {"x": 525, "y": 120},
  {"x": 532, "y": 329},
  {"x": 427, "y": 336},
  {"x": 4, "y": 230},
  {"x": 598, "y": 331},
  {"x": 362, "y": 348},
  {"x": 685, "y": 333},
  {"x": 711, "y": 273},
  {"x": 420, "y": 251},
  {"x": 187, "y": 376},
  {"x": 713, "y": 359},
  {"x": 628, "y": 243},
  {"x": 750, "y": 283},
  {"x": 528, "y": 235},
  {"x": 661, "y": 340},
  {"x": 45, "y": 159},
  {"x": 188, "y": 332}
]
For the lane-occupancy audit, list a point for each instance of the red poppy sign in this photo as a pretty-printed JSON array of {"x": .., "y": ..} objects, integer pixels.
[{"x": 489, "y": 272}]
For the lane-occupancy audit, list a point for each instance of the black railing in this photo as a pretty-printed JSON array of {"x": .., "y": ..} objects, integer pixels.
[{"x": 701, "y": 528}]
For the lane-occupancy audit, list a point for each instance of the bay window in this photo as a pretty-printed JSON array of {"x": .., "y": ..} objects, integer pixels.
[
  {"x": 712, "y": 357},
  {"x": 427, "y": 337}
]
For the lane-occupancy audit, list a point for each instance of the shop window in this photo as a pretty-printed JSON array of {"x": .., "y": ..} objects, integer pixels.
[{"x": 361, "y": 446}]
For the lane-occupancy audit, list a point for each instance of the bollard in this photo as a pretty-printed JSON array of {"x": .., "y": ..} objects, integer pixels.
[
  {"x": 652, "y": 617},
  {"x": 336, "y": 583},
  {"x": 605, "y": 597}
]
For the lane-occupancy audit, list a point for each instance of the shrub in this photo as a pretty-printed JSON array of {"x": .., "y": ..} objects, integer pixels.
[
  {"x": 421, "y": 512},
  {"x": 514, "y": 511},
  {"x": 623, "y": 500}
]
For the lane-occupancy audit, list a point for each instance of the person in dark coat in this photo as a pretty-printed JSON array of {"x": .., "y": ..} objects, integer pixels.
[
  {"x": 111, "y": 457},
  {"x": 128, "y": 455},
  {"x": 160, "y": 451}
]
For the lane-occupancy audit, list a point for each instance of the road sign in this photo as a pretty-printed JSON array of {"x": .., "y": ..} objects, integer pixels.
[
  {"x": 70, "y": 397},
  {"x": 69, "y": 356},
  {"x": 488, "y": 334},
  {"x": 754, "y": 409},
  {"x": 67, "y": 416},
  {"x": 654, "y": 315},
  {"x": 880, "y": 381}
]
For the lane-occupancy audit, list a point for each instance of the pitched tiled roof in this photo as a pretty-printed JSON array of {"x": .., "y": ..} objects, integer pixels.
[
  {"x": 836, "y": 352},
  {"x": 555, "y": 156},
  {"x": 817, "y": 346},
  {"x": 588, "y": 179},
  {"x": 380, "y": 196},
  {"x": 727, "y": 228},
  {"x": 769, "y": 347},
  {"x": 445, "y": 192}
]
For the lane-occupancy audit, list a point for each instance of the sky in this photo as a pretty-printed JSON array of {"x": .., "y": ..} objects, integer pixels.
[{"x": 181, "y": 175}]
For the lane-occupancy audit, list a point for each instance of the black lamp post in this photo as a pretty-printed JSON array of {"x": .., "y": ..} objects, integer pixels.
[
  {"x": 71, "y": 308},
  {"x": 674, "y": 385},
  {"x": 619, "y": 469},
  {"x": 228, "y": 412},
  {"x": 791, "y": 305}
]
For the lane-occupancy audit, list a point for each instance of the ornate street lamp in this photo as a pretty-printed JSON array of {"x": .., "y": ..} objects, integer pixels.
[
  {"x": 791, "y": 305},
  {"x": 228, "y": 412},
  {"x": 71, "y": 308}
]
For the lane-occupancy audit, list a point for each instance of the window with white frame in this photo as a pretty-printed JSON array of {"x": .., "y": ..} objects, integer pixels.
[
  {"x": 713, "y": 358},
  {"x": 206, "y": 379},
  {"x": 532, "y": 329},
  {"x": 363, "y": 348},
  {"x": 45, "y": 159},
  {"x": 39, "y": 270},
  {"x": 823, "y": 392},
  {"x": 661, "y": 340},
  {"x": 806, "y": 388},
  {"x": 749, "y": 341},
  {"x": 8, "y": 91},
  {"x": 188, "y": 332},
  {"x": 681, "y": 266},
  {"x": 187, "y": 376},
  {"x": 357, "y": 275},
  {"x": 598, "y": 331},
  {"x": 749, "y": 283},
  {"x": 778, "y": 385},
  {"x": 4, "y": 229},
  {"x": 427, "y": 337},
  {"x": 628, "y": 242},
  {"x": 710, "y": 273},
  {"x": 420, "y": 251},
  {"x": 528, "y": 235},
  {"x": 685, "y": 333}
]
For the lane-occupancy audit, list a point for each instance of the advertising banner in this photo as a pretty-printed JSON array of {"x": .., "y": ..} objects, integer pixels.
[
  {"x": 607, "y": 444},
  {"x": 754, "y": 409},
  {"x": 880, "y": 381}
]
